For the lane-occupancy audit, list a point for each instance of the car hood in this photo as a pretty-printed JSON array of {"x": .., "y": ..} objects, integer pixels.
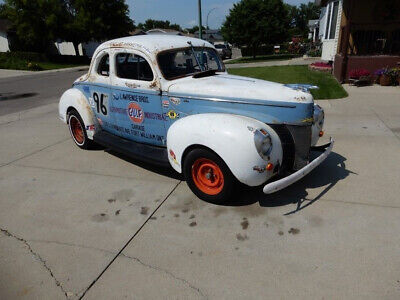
[{"x": 222, "y": 85}]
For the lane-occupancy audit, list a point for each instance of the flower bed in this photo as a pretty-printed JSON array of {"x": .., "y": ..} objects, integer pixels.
[{"x": 321, "y": 67}]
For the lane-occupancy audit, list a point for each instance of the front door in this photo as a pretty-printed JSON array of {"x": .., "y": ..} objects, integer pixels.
[{"x": 136, "y": 99}]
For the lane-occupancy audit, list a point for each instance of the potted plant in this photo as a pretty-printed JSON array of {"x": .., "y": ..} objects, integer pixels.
[
  {"x": 360, "y": 77},
  {"x": 387, "y": 77}
]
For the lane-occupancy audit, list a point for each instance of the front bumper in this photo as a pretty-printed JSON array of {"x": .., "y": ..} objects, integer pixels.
[{"x": 285, "y": 182}]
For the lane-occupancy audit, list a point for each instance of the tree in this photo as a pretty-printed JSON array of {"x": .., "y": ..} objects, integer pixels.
[
  {"x": 195, "y": 29},
  {"x": 96, "y": 20},
  {"x": 300, "y": 16},
  {"x": 252, "y": 23},
  {"x": 36, "y": 23},
  {"x": 151, "y": 24}
]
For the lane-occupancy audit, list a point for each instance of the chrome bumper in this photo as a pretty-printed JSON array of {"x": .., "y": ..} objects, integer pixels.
[{"x": 285, "y": 182}]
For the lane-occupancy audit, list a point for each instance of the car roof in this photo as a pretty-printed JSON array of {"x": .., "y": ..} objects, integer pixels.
[{"x": 154, "y": 43}]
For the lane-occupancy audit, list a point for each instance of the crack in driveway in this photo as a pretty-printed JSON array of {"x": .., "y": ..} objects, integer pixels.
[
  {"x": 38, "y": 257},
  {"x": 184, "y": 281},
  {"x": 129, "y": 241}
]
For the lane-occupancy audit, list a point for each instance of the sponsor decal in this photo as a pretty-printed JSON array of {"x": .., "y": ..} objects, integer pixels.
[
  {"x": 135, "y": 113},
  {"x": 173, "y": 156},
  {"x": 90, "y": 127},
  {"x": 86, "y": 89},
  {"x": 172, "y": 115},
  {"x": 165, "y": 103},
  {"x": 308, "y": 120},
  {"x": 175, "y": 101},
  {"x": 131, "y": 97}
]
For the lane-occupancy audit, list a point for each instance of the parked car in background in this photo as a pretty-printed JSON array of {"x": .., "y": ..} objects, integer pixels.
[
  {"x": 168, "y": 100},
  {"x": 224, "y": 50}
]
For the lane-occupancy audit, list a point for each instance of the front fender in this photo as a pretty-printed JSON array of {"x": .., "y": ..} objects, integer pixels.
[
  {"x": 231, "y": 137},
  {"x": 74, "y": 98}
]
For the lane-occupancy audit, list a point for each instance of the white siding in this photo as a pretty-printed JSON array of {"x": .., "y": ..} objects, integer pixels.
[
  {"x": 4, "y": 42},
  {"x": 329, "y": 46},
  {"x": 67, "y": 48}
]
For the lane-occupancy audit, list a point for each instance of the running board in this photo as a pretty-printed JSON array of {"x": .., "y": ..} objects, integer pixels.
[{"x": 135, "y": 150}]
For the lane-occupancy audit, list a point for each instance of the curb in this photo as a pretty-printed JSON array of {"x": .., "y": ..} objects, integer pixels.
[{"x": 34, "y": 73}]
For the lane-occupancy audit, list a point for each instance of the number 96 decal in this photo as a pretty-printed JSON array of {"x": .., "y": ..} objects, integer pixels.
[{"x": 100, "y": 103}]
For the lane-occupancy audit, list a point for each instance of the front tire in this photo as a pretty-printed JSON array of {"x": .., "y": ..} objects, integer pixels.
[
  {"x": 208, "y": 176},
  {"x": 78, "y": 130}
]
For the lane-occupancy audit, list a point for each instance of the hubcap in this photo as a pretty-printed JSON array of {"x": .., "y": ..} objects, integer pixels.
[
  {"x": 76, "y": 130},
  {"x": 207, "y": 176}
]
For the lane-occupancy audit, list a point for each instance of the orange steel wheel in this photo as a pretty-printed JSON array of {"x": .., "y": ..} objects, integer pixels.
[
  {"x": 77, "y": 130},
  {"x": 207, "y": 176}
]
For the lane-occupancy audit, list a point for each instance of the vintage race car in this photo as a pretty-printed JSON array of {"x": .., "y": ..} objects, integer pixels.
[{"x": 168, "y": 100}]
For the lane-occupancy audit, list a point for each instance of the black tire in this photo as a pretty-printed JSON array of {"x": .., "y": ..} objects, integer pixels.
[
  {"x": 81, "y": 140},
  {"x": 229, "y": 181}
]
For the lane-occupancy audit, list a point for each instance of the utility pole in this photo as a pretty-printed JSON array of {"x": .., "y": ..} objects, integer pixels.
[{"x": 200, "y": 23}]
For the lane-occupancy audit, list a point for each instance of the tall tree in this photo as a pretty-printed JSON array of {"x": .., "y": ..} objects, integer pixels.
[
  {"x": 35, "y": 22},
  {"x": 301, "y": 15},
  {"x": 151, "y": 24},
  {"x": 195, "y": 29},
  {"x": 96, "y": 20},
  {"x": 252, "y": 23}
]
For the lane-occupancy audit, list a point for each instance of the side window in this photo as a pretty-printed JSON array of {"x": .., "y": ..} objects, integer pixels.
[
  {"x": 135, "y": 67},
  {"x": 104, "y": 66}
]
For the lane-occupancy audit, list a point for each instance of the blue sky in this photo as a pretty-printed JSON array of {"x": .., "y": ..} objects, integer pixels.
[{"x": 184, "y": 12}]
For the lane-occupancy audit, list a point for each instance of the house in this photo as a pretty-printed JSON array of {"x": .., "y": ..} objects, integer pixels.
[
  {"x": 211, "y": 35},
  {"x": 313, "y": 34},
  {"x": 4, "y": 26},
  {"x": 360, "y": 34},
  {"x": 164, "y": 31}
]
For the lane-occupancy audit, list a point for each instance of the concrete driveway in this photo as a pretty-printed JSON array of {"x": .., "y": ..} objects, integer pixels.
[{"x": 90, "y": 223}]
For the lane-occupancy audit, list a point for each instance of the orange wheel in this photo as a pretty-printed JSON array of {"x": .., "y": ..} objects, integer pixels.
[
  {"x": 207, "y": 176},
  {"x": 77, "y": 130}
]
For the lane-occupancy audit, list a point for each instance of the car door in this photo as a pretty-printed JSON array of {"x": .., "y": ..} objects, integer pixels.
[
  {"x": 136, "y": 101},
  {"x": 98, "y": 90}
]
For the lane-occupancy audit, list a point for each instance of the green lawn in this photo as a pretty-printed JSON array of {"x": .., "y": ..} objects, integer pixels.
[
  {"x": 329, "y": 88},
  {"x": 249, "y": 59},
  {"x": 16, "y": 63}
]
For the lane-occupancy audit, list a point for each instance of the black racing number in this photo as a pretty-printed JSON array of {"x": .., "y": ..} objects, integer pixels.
[{"x": 100, "y": 103}]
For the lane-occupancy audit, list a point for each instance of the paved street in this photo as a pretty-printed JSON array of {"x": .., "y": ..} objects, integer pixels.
[{"x": 91, "y": 223}]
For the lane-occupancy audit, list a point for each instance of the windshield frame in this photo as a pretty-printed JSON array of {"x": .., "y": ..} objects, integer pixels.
[{"x": 188, "y": 48}]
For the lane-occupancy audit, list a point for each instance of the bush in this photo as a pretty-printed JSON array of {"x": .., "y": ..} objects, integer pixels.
[
  {"x": 40, "y": 57},
  {"x": 314, "y": 53}
]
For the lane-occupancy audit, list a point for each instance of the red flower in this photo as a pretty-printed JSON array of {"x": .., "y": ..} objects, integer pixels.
[{"x": 357, "y": 73}]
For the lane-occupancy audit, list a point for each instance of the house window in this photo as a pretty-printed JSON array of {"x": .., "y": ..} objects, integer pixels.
[{"x": 333, "y": 12}]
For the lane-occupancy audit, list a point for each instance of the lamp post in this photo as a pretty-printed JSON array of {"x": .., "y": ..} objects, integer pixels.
[
  {"x": 210, "y": 11},
  {"x": 200, "y": 25}
]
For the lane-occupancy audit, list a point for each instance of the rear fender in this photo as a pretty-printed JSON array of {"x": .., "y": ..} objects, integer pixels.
[{"x": 75, "y": 99}]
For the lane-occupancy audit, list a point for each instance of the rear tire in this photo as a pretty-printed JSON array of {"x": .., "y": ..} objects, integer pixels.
[
  {"x": 208, "y": 176},
  {"x": 78, "y": 130}
]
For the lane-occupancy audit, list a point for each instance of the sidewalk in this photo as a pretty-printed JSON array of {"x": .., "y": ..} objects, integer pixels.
[
  {"x": 289, "y": 62},
  {"x": 5, "y": 73}
]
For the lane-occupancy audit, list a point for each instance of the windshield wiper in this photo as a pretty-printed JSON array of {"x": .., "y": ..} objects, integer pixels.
[
  {"x": 195, "y": 57},
  {"x": 205, "y": 73}
]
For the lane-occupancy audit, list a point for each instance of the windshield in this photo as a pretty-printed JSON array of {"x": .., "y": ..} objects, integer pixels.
[
  {"x": 219, "y": 46},
  {"x": 188, "y": 61}
]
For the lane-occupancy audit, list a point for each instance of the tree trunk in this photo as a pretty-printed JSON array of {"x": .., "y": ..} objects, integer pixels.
[
  {"x": 76, "y": 47},
  {"x": 254, "y": 50}
]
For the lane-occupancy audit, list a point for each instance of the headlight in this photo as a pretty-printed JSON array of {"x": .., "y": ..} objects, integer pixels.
[{"x": 263, "y": 143}]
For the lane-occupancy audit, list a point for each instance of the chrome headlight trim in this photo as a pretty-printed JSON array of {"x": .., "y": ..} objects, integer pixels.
[{"x": 263, "y": 143}]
